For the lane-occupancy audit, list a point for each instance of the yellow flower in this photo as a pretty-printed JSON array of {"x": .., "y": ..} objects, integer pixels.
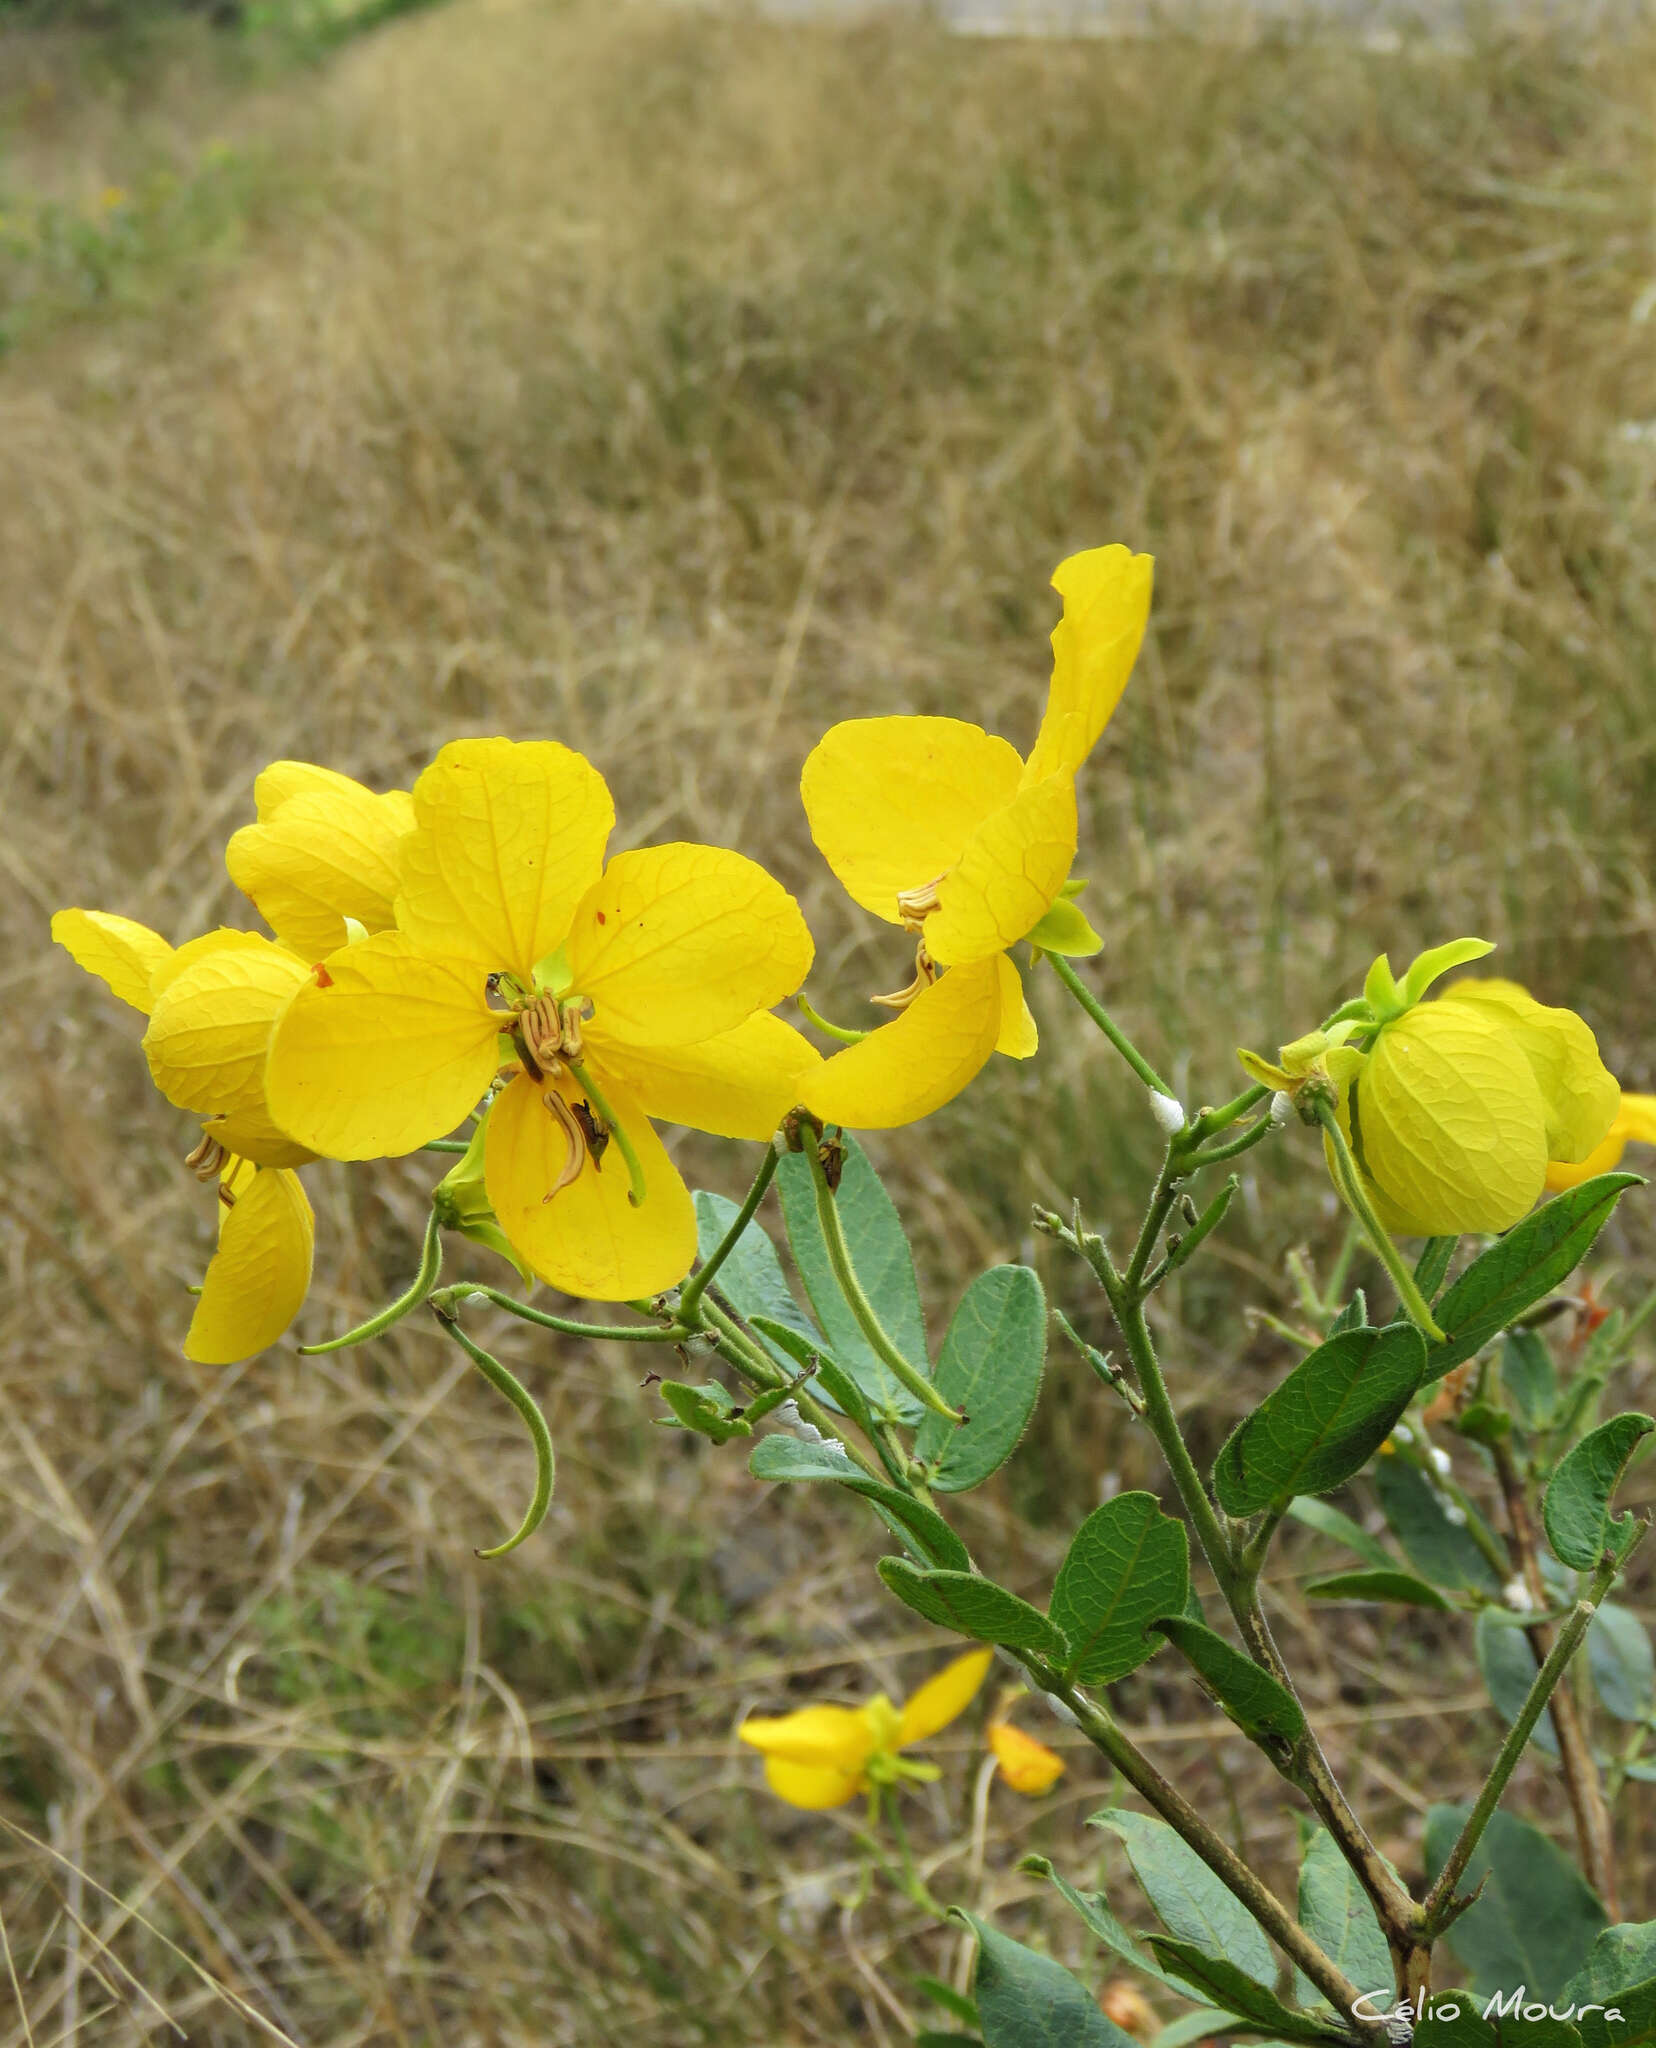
[
  {"x": 211, "y": 1005},
  {"x": 1635, "y": 1123},
  {"x": 1027, "y": 1766},
  {"x": 324, "y": 851},
  {"x": 823, "y": 1756},
  {"x": 1462, "y": 1102},
  {"x": 939, "y": 827},
  {"x": 612, "y": 994}
]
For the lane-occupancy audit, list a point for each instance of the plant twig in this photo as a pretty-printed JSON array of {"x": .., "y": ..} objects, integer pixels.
[
  {"x": 1108, "y": 1025},
  {"x": 697, "y": 1285}
]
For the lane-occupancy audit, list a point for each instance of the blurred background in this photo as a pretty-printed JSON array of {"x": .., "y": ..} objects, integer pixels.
[{"x": 675, "y": 382}]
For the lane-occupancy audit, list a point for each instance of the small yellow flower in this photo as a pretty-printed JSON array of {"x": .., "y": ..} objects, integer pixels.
[
  {"x": 1635, "y": 1124},
  {"x": 211, "y": 1006},
  {"x": 1027, "y": 1766},
  {"x": 941, "y": 828},
  {"x": 112, "y": 197},
  {"x": 824, "y": 1756},
  {"x": 610, "y": 995}
]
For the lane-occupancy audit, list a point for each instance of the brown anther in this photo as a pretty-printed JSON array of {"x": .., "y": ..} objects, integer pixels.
[
  {"x": 577, "y": 1143},
  {"x": 551, "y": 1031},
  {"x": 206, "y": 1162},
  {"x": 925, "y": 973},
  {"x": 225, "y": 1196},
  {"x": 597, "y": 1131},
  {"x": 914, "y": 906}
]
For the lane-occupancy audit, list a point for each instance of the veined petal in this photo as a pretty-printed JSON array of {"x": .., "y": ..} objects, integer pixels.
[
  {"x": 893, "y": 801},
  {"x": 738, "y": 1085},
  {"x": 322, "y": 856},
  {"x": 381, "y": 1048},
  {"x": 509, "y": 836},
  {"x": 209, "y": 1032},
  {"x": 1008, "y": 875},
  {"x": 586, "y": 1238},
  {"x": 224, "y": 939},
  {"x": 822, "y": 1738},
  {"x": 913, "y": 1065},
  {"x": 258, "y": 1278},
  {"x": 1027, "y": 1766},
  {"x": 1579, "y": 1091},
  {"x": 1018, "y": 1037},
  {"x": 122, "y": 954},
  {"x": 813, "y": 1790},
  {"x": 1635, "y": 1122},
  {"x": 944, "y": 1697},
  {"x": 679, "y": 943},
  {"x": 1106, "y": 593},
  {"x": 282, "y": 781}
]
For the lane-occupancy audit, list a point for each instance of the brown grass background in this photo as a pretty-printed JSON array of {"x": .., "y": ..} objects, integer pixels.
[{"x": 674, "y": 385}]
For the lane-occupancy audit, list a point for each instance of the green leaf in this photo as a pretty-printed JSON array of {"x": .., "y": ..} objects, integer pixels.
[
  {"x": 1622, "y": 1958},
  {"x": 972, "y": 1606},
  {"x": 751, "y": 1279},
  {"x": 882, "y": 1262},
  {"x": 1192, "y": 2026},
  {"x": 708, "y": 1410},
  {"x": 1189, "y": 1900},
  {"x": 1635, "y": 2029},
  {"x": 1518, "y": 1269},
  {"x": 989, "y": 1369},
  {"x": 1393, "y": 1588},
  {"x": 955, "y": 2003},
  {"x": 1029, "y": 2001},
  {"x": 1536, "y": 1919},
  {"x": 1335, "y": 1911},
  {"x": 1576, "y": 1509},
  {"x": 1440, "y": 1549},
  {"x": 1624, "y": 1672},
  {"x": 1327, "y": 1521},
  {"x": 1436, "y": 1256},
  {"x": 830, "y": 1383},
  {"x": 1094, "y": 1910},
  {"x": 785, "y": 1460},
  {"x": 1127, "y": 1565},
  {"x": 1324, "y": 1422},
  {"x": 1529, "y": 1377},
  {"x": 1237, "y": 1992},
  {"x": 1354, "y": 1316},
  {"x": 1509, "y": 1667},
  {"x": 1258, "y": 1703},
  {"x": 1455, "y": 2026}
]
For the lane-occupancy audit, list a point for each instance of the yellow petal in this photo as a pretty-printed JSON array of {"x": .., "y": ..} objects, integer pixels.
[
  {"x": 122, "y": 954},
  {"x": 322, "y": 856},
  {"x": 1018, "y": 1037},
  {"x": 1106, "y": 593},
  {"x": 820, "y": 1738},
  {"x": 893, "y": 801},
  {"x": 1450, "y": 1121},
  {"x": 381, "y": 1049},
  {"x": 509, "y": 837},
  {"x": 1008, "y": 875},
  {"x": 1578, "y": 1090},
  {"x": 813, "y": 1790},
  {"x": 679, "y": 943},
  {"x": 282, "y": 781},
  {"x": 209, "y": 1036},
  {"x": 1635, "y": 1121},
  {"x": 588, "y": 1239},
  {"x": 905, "y": 1069},
  {"x": 738, "y": 1085},
  {"x": 944, "y": 1697},
  {"x": 258, "y": 1278},
  {"x": 225, "y": 939},
  {"x": 1027, "y": 1766}
]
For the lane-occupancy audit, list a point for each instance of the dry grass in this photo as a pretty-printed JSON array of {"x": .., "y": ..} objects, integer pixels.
[{"x": 675, "y": 386}]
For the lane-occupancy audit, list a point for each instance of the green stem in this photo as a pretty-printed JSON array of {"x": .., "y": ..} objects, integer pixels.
[
  {"x": 1216, "y": 1155},
  {"x": 1164, "y": 1426},
  {"x": 446, "y": 1299},
  {"x": 431, "y": 1265},
  {"x": 696, "y": 1286},
  {"x": 839, "y": 1258},
  {"x": 913, "y": 1883},
  {"x": 1107, "y": 1024},
  {"x": 839, "y": 1031},
  {"x": 758, "y": 1368},
  {"x": 446, "y": 1145},
  {"x": 1439, "y": 1906},
  {"x": 1212, "y": 1121},
  {"x": 1350, "y": 1184},
  {"x": 612, "y": 1123},
  {"x": 508, "y": 1384}
]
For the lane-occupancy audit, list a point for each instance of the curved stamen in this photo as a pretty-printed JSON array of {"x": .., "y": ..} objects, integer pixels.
[
  {"x": 577, "y": 1155},
  {"x": 925, "y": 973},
  {"x": 914, "y": 906},
  {"x": 206, "y": 1162}
]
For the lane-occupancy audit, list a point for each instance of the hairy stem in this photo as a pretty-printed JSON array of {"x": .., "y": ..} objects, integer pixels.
[
  {"x": 446, "y": 1299},
  {"x": 1350, "y": 1183},
  {"x": 1107, "y": 1024}
]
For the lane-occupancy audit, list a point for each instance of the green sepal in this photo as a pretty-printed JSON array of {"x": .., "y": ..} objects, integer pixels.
[
  {"x": 1426, "y": 967},
  {"x": 710, "y": 1411},
  {"x": 1065, "y": 930}
]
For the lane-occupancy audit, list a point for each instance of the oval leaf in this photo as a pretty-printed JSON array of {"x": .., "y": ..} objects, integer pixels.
[
  {"x": 1624, "y": 1672},
  {"x": 990, "y": 1369},
  {"x": 751, "y": 1279},
  {"x": 1127, "y": 1565},
  {"x": 1190, "y": 1901},
  {"x": 1439, "y": 1547},
  {"x": 1622, "y": 1958},
  {"x": 1576, "y": 1510},
  {"x": 1335, "y": 1911},
  {"x": 1536, "y": 1919},
  {"x": 1257, "y": 1702},
  {"x": 972, "y": 1606},
  {"x": 1518, "y": 1269},
  {"x": 1396, "y": 1589},
  {"x": 1026, "y": 2000},
  {"x": 1222, "y": 1982},
  {"x": 1509, "y": 1667},
  {"x": 784, "y": 1459},
  {"x": 1529, "y": 1377},
  {"x": 1324, "y": 1422}
]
